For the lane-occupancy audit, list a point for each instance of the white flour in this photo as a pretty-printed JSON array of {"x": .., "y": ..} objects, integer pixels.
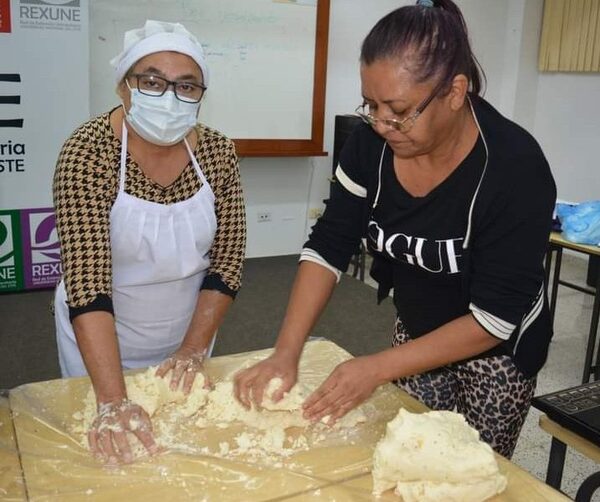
[{"x": 264, "y": 437}]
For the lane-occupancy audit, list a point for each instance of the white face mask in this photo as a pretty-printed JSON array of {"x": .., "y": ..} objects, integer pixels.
[{"x": 162, "y": 120}]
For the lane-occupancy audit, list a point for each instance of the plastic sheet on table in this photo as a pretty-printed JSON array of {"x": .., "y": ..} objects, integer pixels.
[
  {"x": 57, "y": 467},
  {"x": 521, "y": 486},
  {"x": 11, "y": 476}
]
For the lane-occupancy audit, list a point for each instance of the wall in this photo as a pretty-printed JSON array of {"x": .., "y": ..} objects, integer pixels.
[
  {"x": 560, "y": 109},
  {"x": 567, "y": 125},
  {"x": 279, "y": 188}
]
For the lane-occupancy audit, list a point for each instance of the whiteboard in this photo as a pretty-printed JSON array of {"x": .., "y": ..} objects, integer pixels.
[{"x": 261, "y": 57}]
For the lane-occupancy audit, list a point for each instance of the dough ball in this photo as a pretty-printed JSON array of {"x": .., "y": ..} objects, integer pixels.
[
  {"x": 435, "y": 456},
  {"x": 291, "y": 401}
]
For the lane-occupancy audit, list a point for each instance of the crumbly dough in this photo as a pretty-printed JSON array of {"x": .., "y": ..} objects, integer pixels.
[
  {"x": 434, "y": 457},
  {"x": 265, "y": 435},
  {"x": 291, "y": 401},
  {"x": 151, "y": 393},
  {"x": 222, "y": 408}
]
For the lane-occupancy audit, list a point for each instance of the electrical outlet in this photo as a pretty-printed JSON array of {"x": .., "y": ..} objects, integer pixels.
[
  {"x": 263, "y": 216},
  {"x": 315, "y": 213}
]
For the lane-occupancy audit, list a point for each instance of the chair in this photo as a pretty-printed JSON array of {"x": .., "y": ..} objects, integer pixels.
[{"x": 344, "y": 125}]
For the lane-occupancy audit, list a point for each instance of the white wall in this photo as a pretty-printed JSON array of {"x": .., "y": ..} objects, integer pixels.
[
  {"x": 561, "y": 110},
  {"x": 567, "y": 125},
  {"x": 279, "y": 187}
]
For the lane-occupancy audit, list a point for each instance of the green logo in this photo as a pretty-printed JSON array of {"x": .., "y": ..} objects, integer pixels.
[
  {"x": 11, "y": 254},
  {"x": 3, "y": 244}
]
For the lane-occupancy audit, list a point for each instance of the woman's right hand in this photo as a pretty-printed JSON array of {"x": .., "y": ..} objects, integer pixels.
[
  {"x": 250, "y": 384},
  {"x": 108, "y": 434}
]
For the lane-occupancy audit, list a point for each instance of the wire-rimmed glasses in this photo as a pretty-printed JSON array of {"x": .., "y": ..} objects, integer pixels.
[
  {"x": 403, "y": 125},
  {"x": 153, "y": 85}
]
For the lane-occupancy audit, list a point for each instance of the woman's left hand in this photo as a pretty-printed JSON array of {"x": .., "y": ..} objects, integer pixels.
[
  {"x": 186, "y": 364},
  {"x": 349, "y": 384}
]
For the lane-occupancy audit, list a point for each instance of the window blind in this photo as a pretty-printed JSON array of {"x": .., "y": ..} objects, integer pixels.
[{"x": 570, "y": 39}]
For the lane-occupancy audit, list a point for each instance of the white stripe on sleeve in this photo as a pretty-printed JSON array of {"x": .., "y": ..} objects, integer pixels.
[
  {"x": 311, "y": 255},
  {"x": 494, "y": 325},
  {"x": 348, "y": 184},
  {"x": 532, "y": 315}
]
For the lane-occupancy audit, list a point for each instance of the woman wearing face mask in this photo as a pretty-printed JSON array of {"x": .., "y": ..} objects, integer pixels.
[
  {"x": 455, "y": 202},
  {"x": 151, "y": 222}
]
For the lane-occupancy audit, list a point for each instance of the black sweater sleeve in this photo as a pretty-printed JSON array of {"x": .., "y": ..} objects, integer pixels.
[{"x": 507, "y": 271}]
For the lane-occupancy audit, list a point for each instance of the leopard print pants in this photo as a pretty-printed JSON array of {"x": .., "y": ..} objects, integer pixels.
[{"x": 491, "y": 393}]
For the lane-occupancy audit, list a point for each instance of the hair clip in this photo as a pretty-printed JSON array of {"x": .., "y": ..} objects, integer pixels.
[{"x": 426, "y": 3}]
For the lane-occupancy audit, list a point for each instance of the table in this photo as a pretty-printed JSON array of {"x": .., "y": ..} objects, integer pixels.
[
  {"x": 522, "y": 487},
  {"x": 11, "y": 475},
  {"x": 557, "y": 245},
  {"x": 56, "y": 467},
  {"x": 561, "y": 438}
]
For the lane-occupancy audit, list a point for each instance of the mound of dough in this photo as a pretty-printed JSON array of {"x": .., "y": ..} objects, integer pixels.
[
  {"x": 222, "y": 408},
  {"x": 435, "y": 456},
  {"x": 291, "y": 400},
  {"x": 151, "y": 393}
]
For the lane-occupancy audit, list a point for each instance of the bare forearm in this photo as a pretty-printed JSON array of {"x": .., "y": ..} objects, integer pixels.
[
  {"x": 97, "y": 341},
  {"x": 311, "y": 291},
  {"x": 454, "y": 341},
  {"x": 208, "y": 316}
]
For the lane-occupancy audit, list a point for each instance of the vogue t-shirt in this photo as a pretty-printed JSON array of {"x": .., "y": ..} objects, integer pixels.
[{"x": 423, "y": 238}]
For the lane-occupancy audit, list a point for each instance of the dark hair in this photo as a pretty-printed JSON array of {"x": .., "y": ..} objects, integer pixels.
[{"x": 435, "y": 40}]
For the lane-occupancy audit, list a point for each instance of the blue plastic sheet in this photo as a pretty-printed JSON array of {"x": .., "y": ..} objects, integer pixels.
[{"x": 580, "y": 223}]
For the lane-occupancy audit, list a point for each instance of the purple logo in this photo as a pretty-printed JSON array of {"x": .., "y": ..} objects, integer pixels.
[
  {"x": 41, "y": 248},
  {"x": 45, "y": 240}
]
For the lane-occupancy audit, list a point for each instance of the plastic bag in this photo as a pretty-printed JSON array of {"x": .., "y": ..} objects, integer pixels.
[{"x": 580, "y": 223}]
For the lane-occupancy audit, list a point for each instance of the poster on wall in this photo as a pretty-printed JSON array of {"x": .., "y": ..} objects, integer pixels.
[
  {"x": 11, "y": 262},
  {"x": 44, "y": 96},
  {"x": 41, "y": 254}
]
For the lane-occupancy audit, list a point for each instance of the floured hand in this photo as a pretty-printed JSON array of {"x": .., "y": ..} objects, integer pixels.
[
  {"x": 250, "y": 384},
  {"x": 108, "y": 435},
  {"x": 186, "y": 364}
]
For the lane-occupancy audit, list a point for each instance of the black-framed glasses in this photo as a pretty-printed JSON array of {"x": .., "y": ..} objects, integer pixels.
[
  {"x": 153, "y": 85},
  {"x": 403, "y": 125}
]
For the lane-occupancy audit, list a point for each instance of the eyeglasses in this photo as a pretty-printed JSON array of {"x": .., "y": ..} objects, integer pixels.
[
  {"x": 153, "y": 85},
  {"x": 403, "y": 125}
]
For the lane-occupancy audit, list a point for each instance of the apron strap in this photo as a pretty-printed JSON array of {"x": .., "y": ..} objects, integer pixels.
[
  {"x": 123, "y": 166},
  {"x": 195, "y": 163}
]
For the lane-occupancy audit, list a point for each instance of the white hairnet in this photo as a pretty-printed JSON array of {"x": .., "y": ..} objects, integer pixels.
[{"x": 158, "y": 36}]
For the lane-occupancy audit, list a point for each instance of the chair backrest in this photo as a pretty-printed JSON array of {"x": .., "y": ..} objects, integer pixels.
[{"x": 344, "y": 125}]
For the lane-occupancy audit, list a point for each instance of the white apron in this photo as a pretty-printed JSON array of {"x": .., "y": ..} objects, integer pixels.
[{"x": 160, "y": 255}]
